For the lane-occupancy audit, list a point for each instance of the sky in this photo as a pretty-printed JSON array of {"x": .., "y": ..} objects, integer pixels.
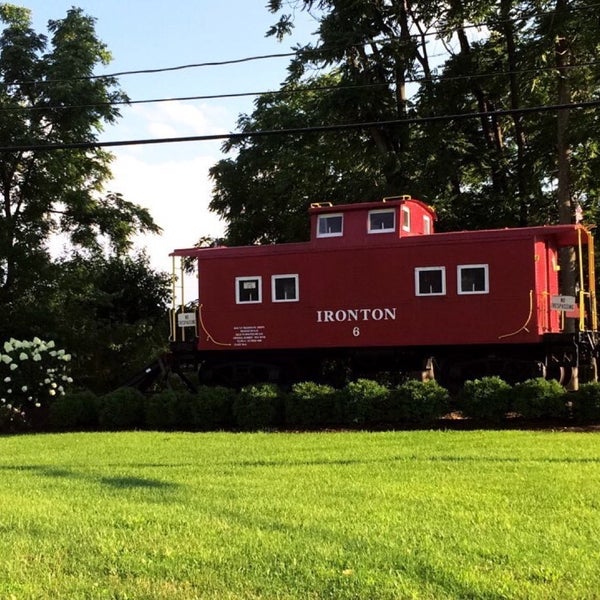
[{"x": 171, "y": 180}]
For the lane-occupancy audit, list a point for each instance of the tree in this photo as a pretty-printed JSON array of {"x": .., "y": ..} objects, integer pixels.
[
  {"x": 108, "y": 311},
  {"x": 101, "y": 303},
  {"x": 111, "y": 312},
  {"x": 48, "y": 95},
  {"x": 264, "y": 193},
  {"x": 485, "y": 170},
  {"x": 371, "y": 44}
]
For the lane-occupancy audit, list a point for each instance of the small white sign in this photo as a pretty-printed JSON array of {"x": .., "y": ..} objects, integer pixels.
[
  {"x": 562, "y": 303},
  {"x": 186, "y": 319}
]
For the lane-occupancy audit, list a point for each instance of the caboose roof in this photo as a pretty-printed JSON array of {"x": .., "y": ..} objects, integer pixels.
[
  {"x": 392, "y": 201},
  {"x": 564, "y": 235}
]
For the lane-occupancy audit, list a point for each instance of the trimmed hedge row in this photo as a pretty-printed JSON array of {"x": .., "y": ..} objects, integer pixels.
[
  {"x": 492, "y": 399},
  {"x": 361, "y": 403},
  {"x": 264, "y": 406}
]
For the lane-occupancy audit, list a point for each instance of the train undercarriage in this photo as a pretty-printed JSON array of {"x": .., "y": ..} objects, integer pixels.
[{"x": 570, "y": 359}]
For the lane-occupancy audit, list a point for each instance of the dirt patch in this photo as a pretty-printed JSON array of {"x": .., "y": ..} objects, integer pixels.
[{"x": 455, "y": 420}]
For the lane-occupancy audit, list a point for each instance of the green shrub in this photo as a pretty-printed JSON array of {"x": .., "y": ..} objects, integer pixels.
[
  {"x": 180, "y": 409},
  {"x": 586, "y": 403},
  {"x": 540, "y": 398},
  {"x": 74, "y": 411},
  {"x": 121, "y": 409},
  {"x": 212, "y": 408},
  {"x": 258, "y": 407},
  {"x": 158, "y": 415},
  {"x": 363, "y": 401},
  {"x": 310, "y": 405},
  {"x": 487, "y": 398},
  {"x": 170, "y": 410},
  {"x": 417, "y": 402}
]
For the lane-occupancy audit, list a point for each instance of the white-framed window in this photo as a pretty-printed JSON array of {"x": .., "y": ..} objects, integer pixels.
[
  {"x": 405, "y": 218},
  {"x": 284, "y": 288},
  {"x": 382, "y": 220},
  {"x": 473, "y": 279},
  {"x": 330, "y": 225},
  {"x": 248, "y": 290},
  {"x": 430, "y": 281},
  {"x": 426, "y": 224}
]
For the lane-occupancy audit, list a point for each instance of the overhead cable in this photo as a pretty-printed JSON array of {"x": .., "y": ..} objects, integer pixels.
[
  {"x": 305, "y": 50},
  {"x": 293, "y": 91},
  {"x": 296, "y": 130}
]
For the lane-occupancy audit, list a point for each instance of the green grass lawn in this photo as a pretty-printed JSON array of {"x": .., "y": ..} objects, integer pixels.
[{"x": 427, "y": 514}]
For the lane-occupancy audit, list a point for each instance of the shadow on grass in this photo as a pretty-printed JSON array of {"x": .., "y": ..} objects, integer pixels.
[
  {"x": 135, "y": 482},
  {"x": 123, "y": 482}
]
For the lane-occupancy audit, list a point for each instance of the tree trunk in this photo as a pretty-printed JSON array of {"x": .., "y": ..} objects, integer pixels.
[
  {"x": 515, "y": 103},
  {"x": 490, "y": 126},
  {"x": 568, "y": 261}
]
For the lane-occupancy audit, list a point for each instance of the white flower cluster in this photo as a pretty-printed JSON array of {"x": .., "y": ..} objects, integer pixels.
[{"x": 32, "y": 372}]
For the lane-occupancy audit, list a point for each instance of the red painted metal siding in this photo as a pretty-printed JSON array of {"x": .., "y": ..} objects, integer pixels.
[
  {"x": 365, "y": 295},
  {"x": 546, "y": 272}
]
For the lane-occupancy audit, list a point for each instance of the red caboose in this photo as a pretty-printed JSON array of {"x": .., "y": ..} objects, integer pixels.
[{"x": 376, "y": 286}]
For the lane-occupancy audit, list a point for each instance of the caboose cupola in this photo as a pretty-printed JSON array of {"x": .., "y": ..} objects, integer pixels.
[{"x": 371, "y": 222}]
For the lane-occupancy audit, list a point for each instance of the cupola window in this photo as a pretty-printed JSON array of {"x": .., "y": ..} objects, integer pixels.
[
  {"x": 330, "y": 225},
  {"x": 405, "y": 218},
  {"x": 382, "y": 221}
]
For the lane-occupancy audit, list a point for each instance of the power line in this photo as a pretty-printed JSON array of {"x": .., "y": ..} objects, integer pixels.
[
  {"x": 189, "y": 98},
  {"x": 415, "y": 80},
  {"x": 219, "y": 63},
  {"x": 302, "y": 90},
  {"x": 301, "y": 51},
  {"x": 297, "y": 130}
]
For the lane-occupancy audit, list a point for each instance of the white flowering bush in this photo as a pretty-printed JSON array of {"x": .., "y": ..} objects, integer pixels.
[{"x": 32, "y": 373}]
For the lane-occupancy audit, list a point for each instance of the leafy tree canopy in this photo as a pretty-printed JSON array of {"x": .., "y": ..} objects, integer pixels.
[
  {"x": 264, "y": 193},
  {"x": 111, "y": 313},
  {"x": 101, "y": 302},
  {"x": 48, "y": 95},
  {"x": 504, "y": 165}
]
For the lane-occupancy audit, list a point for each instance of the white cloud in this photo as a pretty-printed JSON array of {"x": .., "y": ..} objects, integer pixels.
[
  {"x": 170, "y": 180},
  {"x": 176, "y": 193},
  {"x": 170, "y": 119}
]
